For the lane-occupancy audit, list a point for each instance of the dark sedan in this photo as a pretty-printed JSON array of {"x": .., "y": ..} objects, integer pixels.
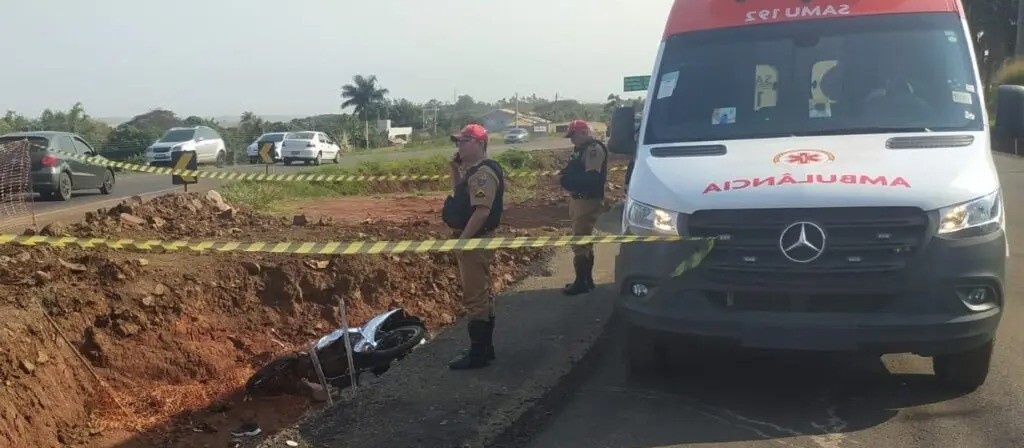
[{"x": 55, "y": 176}]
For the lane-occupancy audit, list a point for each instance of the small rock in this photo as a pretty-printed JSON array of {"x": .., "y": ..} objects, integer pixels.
[
  {"x": 299, "y": 220},
  {"x": 42, "y": 277},
  {"x": 234, "y": 230},
  {"x": 316, "y": 391},
  {"x": 42, "y": 358},
  {"x": 142, "y": 262},
  {"x": 251, "y": 267},
  {"x": 159, "y": 289},
  {"x": 229, "y": 213},
  {"x": 291, "y": 443},
  {"x": 318, "y": 264},
  {"x": 223, "y": 207},
  {"x": 125, "y": 329},
  {"x": 29, "y": 232},
  {"x": 73, "y": 267},
  {"x": 4, "y": 259},
  {"x": 27, "y": 366},
  {"x": 23, "y": 257},
  {"x": 214, "y": 197},
  {"x": 133, "y": 220},
  {"x": 157, "y": 222},
  {"x": 148, "y": 301},
  {"x": 53, "y": 229}
]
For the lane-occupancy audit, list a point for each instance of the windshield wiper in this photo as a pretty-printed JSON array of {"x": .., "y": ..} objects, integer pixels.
[{"x": 867, "y": 130}]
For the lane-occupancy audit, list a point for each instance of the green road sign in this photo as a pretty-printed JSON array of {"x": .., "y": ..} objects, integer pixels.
[{"x": 636, "y": 83}]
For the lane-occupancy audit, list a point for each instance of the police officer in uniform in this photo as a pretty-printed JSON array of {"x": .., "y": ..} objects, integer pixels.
[
  {"x": 474, "y": 211},
  {"x": 584, "y": 178}
]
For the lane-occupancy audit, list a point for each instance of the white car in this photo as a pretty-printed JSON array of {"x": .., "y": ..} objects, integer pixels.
[
  {"x": 277, "y": 138},
  {"x": 309, "y": 147},
  {"x": 206, "y": 142}
]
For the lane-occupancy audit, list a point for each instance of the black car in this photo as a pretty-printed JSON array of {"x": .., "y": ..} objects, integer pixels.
[{"x": 55, "y": 176}]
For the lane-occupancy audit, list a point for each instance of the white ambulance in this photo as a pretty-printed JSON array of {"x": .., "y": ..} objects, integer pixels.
[{"x": 838, "y": 153}]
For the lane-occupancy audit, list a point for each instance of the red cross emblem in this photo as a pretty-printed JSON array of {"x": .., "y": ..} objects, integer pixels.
[{"x": 803, "y": 158}]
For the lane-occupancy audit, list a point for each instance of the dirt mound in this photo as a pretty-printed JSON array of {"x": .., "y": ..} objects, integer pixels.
[
  {"x": 173, "y": 333},
  {"x": 170, "y": 216}
]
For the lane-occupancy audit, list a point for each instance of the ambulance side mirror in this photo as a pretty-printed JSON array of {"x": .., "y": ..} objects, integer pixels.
[
  {"x": 1009, "y": 120},
  {"x": 623, "y": 132}
]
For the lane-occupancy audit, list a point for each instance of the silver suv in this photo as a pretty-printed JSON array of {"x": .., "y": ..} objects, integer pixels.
[{"x": 206, "y": 142}]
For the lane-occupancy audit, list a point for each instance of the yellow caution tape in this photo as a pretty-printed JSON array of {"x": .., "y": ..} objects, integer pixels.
[
  {"x": 299, "y": 177},
  {"x": 338, "y": 247},
  {"x": 362, "y": 247}
]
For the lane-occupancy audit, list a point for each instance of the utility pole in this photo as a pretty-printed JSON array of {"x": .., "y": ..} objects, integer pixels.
[
  {"x": 1019, "y": 49},
  {"x": 455, "y": 107},
  {"x": 517, "y": 109}
]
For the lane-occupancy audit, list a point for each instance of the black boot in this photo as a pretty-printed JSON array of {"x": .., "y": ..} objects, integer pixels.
[
  {"x": 580, "y": 285},
  {"x": 488, "y": 340},
  {"x": 590, "y": 271},
  {"x": 476, "y": 357}
]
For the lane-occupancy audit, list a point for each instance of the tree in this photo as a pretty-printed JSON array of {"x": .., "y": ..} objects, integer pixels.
[
  {"x": 405, "y": 113},
  {"x": 363, "y": 95},
  {"x": 614, "y": 102},
  {"x": 992, "y": 23},
  {"x": 155, "y": 121},
  {"x": 127, "y": 141}
]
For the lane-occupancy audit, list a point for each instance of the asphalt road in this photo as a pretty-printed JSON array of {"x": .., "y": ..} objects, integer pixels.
[
  {"x": 149, "y": 185},
  {"x": 814, "y": 401}
]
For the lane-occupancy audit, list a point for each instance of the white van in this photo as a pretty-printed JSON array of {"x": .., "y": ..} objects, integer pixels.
[{"x": 838, "y": 154}]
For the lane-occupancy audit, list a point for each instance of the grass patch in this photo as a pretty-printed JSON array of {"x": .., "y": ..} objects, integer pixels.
[
  {"x": 424, "y": 144},
  {"x": 273, "y": 196}
]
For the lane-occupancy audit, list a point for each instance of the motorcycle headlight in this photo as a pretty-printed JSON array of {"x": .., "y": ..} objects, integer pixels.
[
  {"x": 641, "y": 219},
  {"x": 973, "y": 218}
]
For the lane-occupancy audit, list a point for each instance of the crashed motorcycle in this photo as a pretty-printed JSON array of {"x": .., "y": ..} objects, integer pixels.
[{"x": 386, "y": 338}]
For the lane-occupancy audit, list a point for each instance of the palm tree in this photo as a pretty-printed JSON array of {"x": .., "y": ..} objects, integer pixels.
[{"x": 363, "y": 95}]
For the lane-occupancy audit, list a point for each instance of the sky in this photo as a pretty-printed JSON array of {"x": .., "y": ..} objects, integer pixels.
[{"x": 223, "y": 57}]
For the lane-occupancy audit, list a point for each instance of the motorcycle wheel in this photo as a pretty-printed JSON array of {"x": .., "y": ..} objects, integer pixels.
[
  {"x": 399, "y": 341},
  {"x": 278, "y": 376}
]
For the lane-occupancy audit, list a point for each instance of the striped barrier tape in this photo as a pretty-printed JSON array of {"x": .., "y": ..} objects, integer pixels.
[
  {"x": 298, "y": 177},
  {"x": 360, "y": 247}
]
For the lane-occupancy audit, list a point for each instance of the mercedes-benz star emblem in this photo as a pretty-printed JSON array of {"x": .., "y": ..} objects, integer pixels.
[{"x": 802, "y": 242}]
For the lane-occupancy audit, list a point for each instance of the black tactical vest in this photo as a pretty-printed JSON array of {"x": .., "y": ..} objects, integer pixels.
[
  {"x": 457, "y": 207},
  {"x": 576, "y": 167}
]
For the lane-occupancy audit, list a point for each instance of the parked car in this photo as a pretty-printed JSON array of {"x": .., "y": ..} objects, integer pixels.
[
  {"x": 206, "y": 142},
  {"x": 517, "y": 135},
  {"x": 309, "y": 147},
  {"x": 55, "y": 176},
  {"x": 277, "y": 138}
]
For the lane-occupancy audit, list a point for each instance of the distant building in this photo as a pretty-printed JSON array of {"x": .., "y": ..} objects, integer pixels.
[
  {"x": 395, "y": 135},
  {"x": 499, "y": 120}
]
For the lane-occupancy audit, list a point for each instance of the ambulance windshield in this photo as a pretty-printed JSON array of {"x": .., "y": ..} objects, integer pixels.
[{"x": 873, "y": 74}]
